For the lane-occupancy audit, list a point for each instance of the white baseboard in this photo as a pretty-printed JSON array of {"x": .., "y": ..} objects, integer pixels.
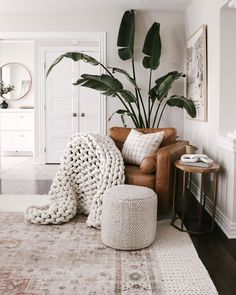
[
  {"x": 37, "y": 160},
  {"x": 228, "y": 227},
  {"x": 16, "y": 153}
]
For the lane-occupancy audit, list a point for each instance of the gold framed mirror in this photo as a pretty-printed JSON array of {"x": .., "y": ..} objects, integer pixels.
[{"x": 18, "y": 77}]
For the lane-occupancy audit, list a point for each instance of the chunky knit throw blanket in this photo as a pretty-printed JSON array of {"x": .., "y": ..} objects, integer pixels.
[{"x": 91, "y": 164}]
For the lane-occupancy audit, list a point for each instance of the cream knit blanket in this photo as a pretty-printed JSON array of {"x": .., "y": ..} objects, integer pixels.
[{"x": 91, "y": 164}]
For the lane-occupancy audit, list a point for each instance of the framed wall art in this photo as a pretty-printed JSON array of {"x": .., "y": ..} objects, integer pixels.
[{"x": 197, "y": 72}]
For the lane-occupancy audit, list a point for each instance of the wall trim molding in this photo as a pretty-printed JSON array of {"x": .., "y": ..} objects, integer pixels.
[
  {"x": 227, "y": 143},
  {"x": 228, "y": 227},
  {"x": 53, "y": 35}
]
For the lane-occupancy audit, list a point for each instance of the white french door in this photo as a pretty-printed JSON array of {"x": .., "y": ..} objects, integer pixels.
[{"x": 68, "y": 108}]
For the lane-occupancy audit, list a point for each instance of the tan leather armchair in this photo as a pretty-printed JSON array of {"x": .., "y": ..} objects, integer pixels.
[{"x": 156, "y": 171}]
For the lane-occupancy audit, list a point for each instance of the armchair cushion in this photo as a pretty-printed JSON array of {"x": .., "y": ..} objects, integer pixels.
[
  {"x": 138, "y": 146},
  {"x": 119, "y": 135}
]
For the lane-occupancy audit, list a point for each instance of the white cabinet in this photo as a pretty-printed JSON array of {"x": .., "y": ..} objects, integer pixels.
[{"x": 17, "y": 131}]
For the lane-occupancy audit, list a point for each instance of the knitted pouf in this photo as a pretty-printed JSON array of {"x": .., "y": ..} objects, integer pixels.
[{"x": 129, "y": 217}]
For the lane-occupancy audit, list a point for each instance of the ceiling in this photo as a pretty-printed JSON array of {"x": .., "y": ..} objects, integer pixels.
[{"x": 81, "y": 5}]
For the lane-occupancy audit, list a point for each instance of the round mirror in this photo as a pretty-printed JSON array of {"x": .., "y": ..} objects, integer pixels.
[{"x": 15, "y": 81}]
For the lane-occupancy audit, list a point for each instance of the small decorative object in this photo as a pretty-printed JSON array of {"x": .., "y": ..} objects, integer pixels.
[
  {"x": 197, "y": 72},
  {"x": 190, "y": 149},
  {"x": 4, "y": 105},
  {"x": 198, "y": 160},
  {"x": 4, "y": 89}
]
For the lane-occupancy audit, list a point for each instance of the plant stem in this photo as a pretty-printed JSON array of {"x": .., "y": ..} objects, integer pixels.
[
  {"x": 143, "y": 108},
  {"x": 134, "y": 76},
  {"x": 142, "y": 125},
  {"x": 149, "y": 98},
  {"x": 150, "y": 80},
  {"x": 152, "y": 105},
  {"x": 134, "y": 114},
  {"x": 107, "y": 70},
  {"x": 155, "y": 117},
  {"x": 161, "y": 114},
  {"x": 134, "y": 118}
]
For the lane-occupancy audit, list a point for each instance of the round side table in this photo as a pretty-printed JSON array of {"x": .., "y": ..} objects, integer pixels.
[{"x": 187, "y": 171}]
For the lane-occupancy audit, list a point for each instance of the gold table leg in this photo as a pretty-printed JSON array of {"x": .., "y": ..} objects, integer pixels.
[
  {"x": 174, "y": 197},
  {"x": 183, "y": 200}
]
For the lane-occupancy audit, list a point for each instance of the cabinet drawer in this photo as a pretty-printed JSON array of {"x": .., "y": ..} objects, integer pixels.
[
  {"x": 15, "y": 121},
  {"x": 17, "y": 141}
]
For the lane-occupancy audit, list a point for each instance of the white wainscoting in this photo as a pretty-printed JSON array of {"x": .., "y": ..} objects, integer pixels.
[
  {"x": 226, "y": 205},
  {"x": 229, "y": 228}
]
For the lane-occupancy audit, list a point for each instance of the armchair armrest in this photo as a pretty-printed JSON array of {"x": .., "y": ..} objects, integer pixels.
[{"x": 166, "y": 157}]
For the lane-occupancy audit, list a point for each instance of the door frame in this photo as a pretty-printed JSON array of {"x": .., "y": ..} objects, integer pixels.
[{"x": 74, "y": 37}]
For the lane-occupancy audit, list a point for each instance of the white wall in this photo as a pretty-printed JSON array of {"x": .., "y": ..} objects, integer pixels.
[
  {"x": 23, "y": 53},
  {"x": 207, "y": 135},
  {"x": 227, "y": 73},
  {"x": 200, "y": 12},
  {"x": 172, "y": 30}
]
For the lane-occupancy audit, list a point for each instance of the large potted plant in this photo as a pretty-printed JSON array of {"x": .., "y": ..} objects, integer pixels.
[{"x": 143, "y": 114}]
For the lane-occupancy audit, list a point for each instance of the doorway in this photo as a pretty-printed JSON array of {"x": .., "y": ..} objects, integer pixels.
[{"x": 68, "y": 108}]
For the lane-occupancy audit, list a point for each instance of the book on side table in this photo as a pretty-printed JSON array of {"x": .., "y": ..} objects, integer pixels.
[
  {"x": 196, "y": 164},
  {"x": 196, "y": 160}
]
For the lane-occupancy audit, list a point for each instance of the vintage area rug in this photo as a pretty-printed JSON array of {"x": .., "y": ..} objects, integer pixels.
[{"x": 70, "y": 259}]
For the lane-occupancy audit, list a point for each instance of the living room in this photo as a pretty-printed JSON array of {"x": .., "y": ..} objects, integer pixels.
[{"x": 36, "y": 126}]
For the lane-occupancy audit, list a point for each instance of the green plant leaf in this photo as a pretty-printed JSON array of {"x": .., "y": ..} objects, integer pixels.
[
  {"x": 120, "y": 112},
  {"x": 183, "y": 103},
  {"x": 121, "y": 71},
  {"x": 152, "y": 48},
  {"x": 126, "y": 36},
  {"x": 127, "y": 95},
  {"x": 75, "y": 56},
  {"x": 164, "y": 84},
  {"x": 107, "y": 84}
]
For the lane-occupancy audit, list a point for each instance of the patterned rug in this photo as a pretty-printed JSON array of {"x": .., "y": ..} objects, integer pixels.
[{"x": 70, "y": 259}]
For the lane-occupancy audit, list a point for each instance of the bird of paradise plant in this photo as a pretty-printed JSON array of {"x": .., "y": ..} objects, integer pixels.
[{"x": 133, "y": 101}]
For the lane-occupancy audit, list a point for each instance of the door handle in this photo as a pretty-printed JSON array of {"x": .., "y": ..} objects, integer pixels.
[
  {"x": 82, "y": 114},
  {"x": 74, "y": 115}
]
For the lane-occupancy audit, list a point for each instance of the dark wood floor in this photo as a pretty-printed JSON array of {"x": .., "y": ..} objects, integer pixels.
[{"x": 217, "y": 253}]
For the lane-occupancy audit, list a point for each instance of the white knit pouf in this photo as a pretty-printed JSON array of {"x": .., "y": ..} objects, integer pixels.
[{"x": 129, "y": 217}]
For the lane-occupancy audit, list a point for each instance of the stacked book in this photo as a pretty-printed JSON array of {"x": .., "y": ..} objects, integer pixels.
[
  {"x": 196, "y": 160},
  {"x": 196, "y": 164}
]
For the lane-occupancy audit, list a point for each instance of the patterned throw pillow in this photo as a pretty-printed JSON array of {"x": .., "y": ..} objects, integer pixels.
[{"x": 138, "y": 145}]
